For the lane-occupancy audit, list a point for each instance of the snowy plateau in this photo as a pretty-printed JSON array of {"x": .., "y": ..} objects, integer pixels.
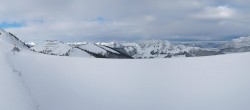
[{"x": 53, "y": 75}]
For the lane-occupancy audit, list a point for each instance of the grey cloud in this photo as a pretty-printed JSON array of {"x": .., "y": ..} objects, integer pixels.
[{"x": 126, "y": 19}]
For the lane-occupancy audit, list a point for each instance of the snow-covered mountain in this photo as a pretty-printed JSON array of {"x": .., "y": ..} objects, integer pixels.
[
  {"x": 10, "y": 38},
  {"x": 208, "y": 45},
  {"x": 30, "y": 44},
  {"x": 13, "y": 94},
  {"x": 54, "y": 47},
  {"x": 101, "y": 51},
  {"x": 142, "y": 49},
  {"x": 159, "y": 49},
  {"x": 241, "y": 44}
]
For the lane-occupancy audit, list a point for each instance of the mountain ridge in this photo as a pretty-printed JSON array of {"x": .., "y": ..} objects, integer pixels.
[{"x": 137, "y": 50}]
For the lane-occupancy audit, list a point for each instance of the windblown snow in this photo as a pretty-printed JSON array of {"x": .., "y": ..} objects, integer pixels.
[{"x": 80, "y": 83}]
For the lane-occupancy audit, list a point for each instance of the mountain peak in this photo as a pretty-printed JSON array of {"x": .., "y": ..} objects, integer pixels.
[
  {"x": 238, "y": 43},
  {"x": 242, "y": 39},
  {"x": 11, "y": 39}
]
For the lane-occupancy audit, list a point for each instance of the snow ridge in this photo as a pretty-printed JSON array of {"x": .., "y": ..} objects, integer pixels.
[
  {"x": 241, "y": 44},
  {"x": 12, "y": 39},
  {"x": 59, "y": 48},
  {"x": 238, "y": 43},
  {"x": 158, "y": 49},
  {"x": 14, "y": 95}
]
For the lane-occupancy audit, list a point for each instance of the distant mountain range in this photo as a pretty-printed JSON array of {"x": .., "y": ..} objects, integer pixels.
[
  {"x": 159, "y": 49},
  {"x": 137, "y": 50},
  {"x": 241, "y": 44}
]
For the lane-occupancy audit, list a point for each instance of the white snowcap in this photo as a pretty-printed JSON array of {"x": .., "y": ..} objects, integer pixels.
[
  {"x": 9, "y": 38},
  {"x": 31, "y": 43},
  {"x": 238, "y": 43}
]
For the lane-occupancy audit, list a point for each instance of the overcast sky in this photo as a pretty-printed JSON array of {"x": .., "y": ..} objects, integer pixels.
[{"x": 125, "y": 20}]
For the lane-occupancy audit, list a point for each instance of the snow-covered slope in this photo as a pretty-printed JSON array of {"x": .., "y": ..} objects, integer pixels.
[
  {"x": 205, "y": 83},
  {"x": 75, "y": 52},
  {"x": 159, "y": 49},
  {"x": 241, "y": 44},
  {"x": 127, "y": 48},
  {"x": 30, "y": 44},
  {"x": 208, "y": 45},
  {"x": 238, "y": 43},
  {"x": 93, "y": 48},
  {"x": 54, "y": 47},
  {"x": 101, "y": 51},
  {"x": 7, "y": 37},
  {"x": 13, "y": 94}
]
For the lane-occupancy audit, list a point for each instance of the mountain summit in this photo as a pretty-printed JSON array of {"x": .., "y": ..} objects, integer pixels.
[
  {"x": 11, "y": 39},
  {"x": 241, "y": 44}
]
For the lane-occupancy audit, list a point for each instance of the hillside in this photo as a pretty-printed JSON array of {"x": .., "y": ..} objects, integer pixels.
[
  {"x": 13, "y": 94},
  {"x": 159, "y": 49},
  {"x": 53, "y": 47},
  {"x": 10, "y": 38},
  {"x": 137, "y": 50},
  {"x": 237, "y": 45},
  {"x": 205, "y": 83},
  {"x": 59, "y": 48}
]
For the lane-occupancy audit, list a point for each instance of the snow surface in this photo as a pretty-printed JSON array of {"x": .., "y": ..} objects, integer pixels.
[
  {"x": 32, "y": 44},
  {"x": 9, "y": 38},
  {"x": 93, "y": 48},
  {"x": 13, "y": 94},
  {"x": 59, "y": 48},
  {"x": 77, "y": 43},
  {"x": 75, "y": 52},
  {"x": 108, "y": 49},
  {"x": 52, "y": 46},
  {"x": 204, "y": 83}
]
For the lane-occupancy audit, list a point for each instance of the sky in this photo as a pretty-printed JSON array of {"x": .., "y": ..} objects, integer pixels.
[{"x": 125, "y": 20}]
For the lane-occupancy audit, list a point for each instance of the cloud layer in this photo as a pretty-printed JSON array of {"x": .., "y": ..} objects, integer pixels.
[{"x": 106, "y": 20}]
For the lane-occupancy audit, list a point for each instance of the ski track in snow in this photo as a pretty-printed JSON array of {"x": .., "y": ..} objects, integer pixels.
[
  {"x": 205, "y": 83},
  {"x": 19, "y": 74}
]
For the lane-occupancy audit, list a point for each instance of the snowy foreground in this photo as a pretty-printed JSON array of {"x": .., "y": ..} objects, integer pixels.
[{"x": 65, "y": 83}]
